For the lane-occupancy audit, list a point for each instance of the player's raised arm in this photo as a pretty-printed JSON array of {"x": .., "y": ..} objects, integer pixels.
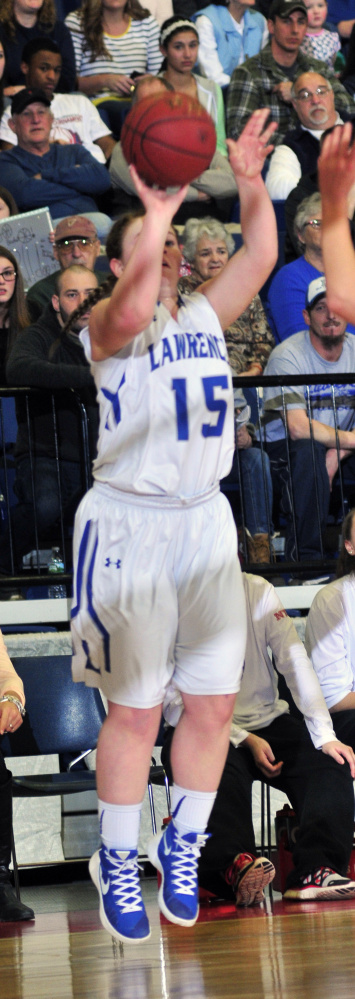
[
  {"x": 336, "y": 172},
  {"x": 232, "y": 291},
  {"x": 117, "y": 320}
]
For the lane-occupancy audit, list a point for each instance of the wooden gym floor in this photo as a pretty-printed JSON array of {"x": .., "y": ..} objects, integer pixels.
[{"x": 274, "y": 951}]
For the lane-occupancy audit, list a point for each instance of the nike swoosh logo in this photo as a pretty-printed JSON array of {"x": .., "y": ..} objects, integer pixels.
[
  {"x": 167, "y": 849},
  {"x": 104, "y": 885}
]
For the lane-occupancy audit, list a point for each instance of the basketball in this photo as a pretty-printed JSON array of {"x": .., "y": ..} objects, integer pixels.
[{"x": 170, "y": 139}]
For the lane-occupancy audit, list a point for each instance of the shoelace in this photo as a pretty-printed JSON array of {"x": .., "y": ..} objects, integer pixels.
[
  {"x": 124, "y": 874},
  {"x": 184, "y": 859}
]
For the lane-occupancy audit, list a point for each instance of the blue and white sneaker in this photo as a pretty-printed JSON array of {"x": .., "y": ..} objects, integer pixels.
[
  {"x": 176, "y": 857},
  {"x": 116, "y": 877}
]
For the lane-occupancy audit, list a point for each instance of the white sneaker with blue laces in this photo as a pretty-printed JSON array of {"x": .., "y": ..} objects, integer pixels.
[
  {"x": 115, "y": 875},
  {"x": 176, "y": 857}
]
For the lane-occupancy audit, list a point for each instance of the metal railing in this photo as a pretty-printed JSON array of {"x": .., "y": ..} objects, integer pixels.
[
  {"x": 342, "y": 495},
  {"x": 25, "y": 400}
]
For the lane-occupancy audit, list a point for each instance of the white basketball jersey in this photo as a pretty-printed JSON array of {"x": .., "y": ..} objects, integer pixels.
[{"x": 166, "y": 405}]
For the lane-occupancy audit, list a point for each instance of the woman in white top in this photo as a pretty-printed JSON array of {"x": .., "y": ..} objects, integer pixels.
[
  {"x": 113, "y": 39},
  {"x": 157, "y": 586},
  {"x": 179, "y": 46}
]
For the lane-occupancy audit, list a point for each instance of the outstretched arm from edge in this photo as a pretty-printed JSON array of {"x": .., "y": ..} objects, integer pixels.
[
  {"x": 247, "y": 270},
  {"x": 336, "y": 172},
  {"x": 115, "y": 321}
]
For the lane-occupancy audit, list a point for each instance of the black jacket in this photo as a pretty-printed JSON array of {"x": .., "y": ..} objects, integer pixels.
[{"x": 42, "y": 357}]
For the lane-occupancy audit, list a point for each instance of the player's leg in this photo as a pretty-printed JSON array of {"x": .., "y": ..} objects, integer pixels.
[{"x": 209, "y": 656}]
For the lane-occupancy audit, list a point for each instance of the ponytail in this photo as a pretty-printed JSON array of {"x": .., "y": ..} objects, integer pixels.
[{"x": 104, "y": 290}]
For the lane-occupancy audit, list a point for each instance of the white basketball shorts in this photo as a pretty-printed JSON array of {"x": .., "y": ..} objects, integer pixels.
[{"x": 158, "y": 593}]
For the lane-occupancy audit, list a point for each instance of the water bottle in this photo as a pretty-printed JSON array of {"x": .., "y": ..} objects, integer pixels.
[{"x": 56, "y": 566}]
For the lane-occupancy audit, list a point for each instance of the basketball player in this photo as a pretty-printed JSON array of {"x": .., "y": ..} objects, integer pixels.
[{"x": 157, "y": 589}]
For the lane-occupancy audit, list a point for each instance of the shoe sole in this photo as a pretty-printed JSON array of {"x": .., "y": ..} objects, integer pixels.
[
  {"x": 313, "y": 894},
  {"x": 152, "y": 851},
  {"x": 94, "y": 867},
  {"x": 250, "y": 888}
]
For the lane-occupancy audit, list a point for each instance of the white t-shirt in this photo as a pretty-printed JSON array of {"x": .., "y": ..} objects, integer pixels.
[
  {"x": 166, "y": 406},
  {"x": 330, "y": 638},
  {"x": 75, "y": 120}
]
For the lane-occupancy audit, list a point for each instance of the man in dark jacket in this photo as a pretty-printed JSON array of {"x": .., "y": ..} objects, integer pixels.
[{"x": 46, "y": 358}]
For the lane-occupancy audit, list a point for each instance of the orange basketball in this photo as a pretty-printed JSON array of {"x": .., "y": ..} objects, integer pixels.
[{"x": 169, "y": 139}]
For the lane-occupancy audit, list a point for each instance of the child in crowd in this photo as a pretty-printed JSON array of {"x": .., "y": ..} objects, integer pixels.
[{"x": 318, "y": 42}]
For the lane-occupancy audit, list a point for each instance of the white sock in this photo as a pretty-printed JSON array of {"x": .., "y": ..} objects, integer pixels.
[
  {"x": 119, "y": 825},
  {"x": 194, "y": 811}
]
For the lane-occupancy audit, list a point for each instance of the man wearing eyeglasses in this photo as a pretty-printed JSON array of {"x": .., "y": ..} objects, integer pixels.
[
  {"x": 266, "y": 79},
  {"x": 75, "y": 242},
  {"x": 313, "y": 100}
]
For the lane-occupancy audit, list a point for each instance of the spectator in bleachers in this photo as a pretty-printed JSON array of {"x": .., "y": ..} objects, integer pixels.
[
  {"x": 266, "y": 79},
  {"x": 13, "y": 310},
  {"x": 75, "y": 119},
  {"x": 12, "y": 701},
  {"x": 21, "y": 21},
  {"x": 179, "y": 46},
  {"x": 37, "y": 172},
  {"x": 287, "y": 292},
  {"x": 112, "y": 41},
  {"x": 324, "y": 348},
  {"x": 207, "y": 246},
  {"x": 342, "y": 14},
  {"x": 318, "y": 41},
  {"x": 347, "y": 75},
  {"x": 46, "y": 358},
  {"x": 313, "y": 100},
  {"x": 8, "y": 204},
  {"x": 75, "y": 242},
  {"x": 230, "y": 31},
  {"x": 330, "y": 637},
  {"x": 314, "y": 772},
  {"x": 214, "y": 189}
]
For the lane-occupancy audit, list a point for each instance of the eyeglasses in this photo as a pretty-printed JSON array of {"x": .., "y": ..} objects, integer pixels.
[
  {"x": 305, "y": 95},
  {"x": 315, "y": 223},
  {"x": 8, "y": 275},
  {"x": 68, "y": 244}
]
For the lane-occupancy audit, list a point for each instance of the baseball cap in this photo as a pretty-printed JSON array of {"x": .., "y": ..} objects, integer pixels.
[
  {"x": 282, "y": 8},
  {"x": 74, "y": 227},
  {"x": 316, "y": 289},
  {"x": 24, "y": 97}
]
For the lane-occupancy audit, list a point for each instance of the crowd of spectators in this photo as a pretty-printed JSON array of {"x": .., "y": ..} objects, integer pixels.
[{"x": 70, "y": 71}]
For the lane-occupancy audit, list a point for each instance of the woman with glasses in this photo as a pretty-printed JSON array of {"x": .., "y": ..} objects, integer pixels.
[
  {"x": 13, "y": 310},
  {"x": 287, "y": 293}
]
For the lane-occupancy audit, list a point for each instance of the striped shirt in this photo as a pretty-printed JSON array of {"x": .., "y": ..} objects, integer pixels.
[{"x": 137, "y": 49}]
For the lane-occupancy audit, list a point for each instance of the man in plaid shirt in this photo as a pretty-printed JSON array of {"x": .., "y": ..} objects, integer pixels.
[{"x": 266, "y": 79}]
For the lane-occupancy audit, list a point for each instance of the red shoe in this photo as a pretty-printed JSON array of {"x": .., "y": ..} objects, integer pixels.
[
  {"x": 248, "y": 876},
  {"x": 323, "y": 884}
]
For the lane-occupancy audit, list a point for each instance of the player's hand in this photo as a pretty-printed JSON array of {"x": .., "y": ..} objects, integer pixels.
[
  {"x": 166, "y": 203},
  {"x": 283, "y": 90},
  {"x": 336, "y": 164},
  {"x": 340, "y": 752},
  {"x": 248, "y": 153}
]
